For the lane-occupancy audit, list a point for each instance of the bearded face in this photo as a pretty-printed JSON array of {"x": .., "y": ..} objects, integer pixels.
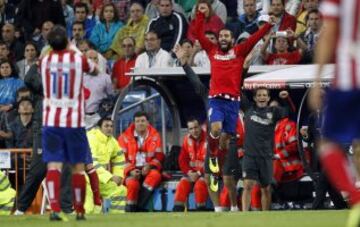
[{"x": 226, "y": 40}]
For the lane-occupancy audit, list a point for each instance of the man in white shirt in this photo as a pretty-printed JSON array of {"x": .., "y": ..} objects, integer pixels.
[{"x": 154, "y": 56}]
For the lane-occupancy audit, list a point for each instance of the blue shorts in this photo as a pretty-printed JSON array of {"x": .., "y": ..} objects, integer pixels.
[
  {"x": 225, "y": 111},
  {"x": 342, "y": 116},
  {"x": 65, "y": 145}
]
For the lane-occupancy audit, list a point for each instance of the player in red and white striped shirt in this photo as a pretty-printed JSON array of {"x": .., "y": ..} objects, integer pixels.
[
  {"x": 340, "y": 39},
  {"x": 63, "y": 135}
]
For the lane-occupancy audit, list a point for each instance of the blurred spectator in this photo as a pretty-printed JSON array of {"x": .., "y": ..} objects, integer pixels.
[
  {"x": 186, "y": 5},
  {"x": 84, "y": 45},
  {"x": 7, "y": 12},
  {"x": 188, "y": 53},
  {"x": 135, "y": 27},
  {"x": 144, "y": 157},
  {"x": 308, "y": 39},
  {"x": 78, "y": 32},
  {"x": 170, "y": 26},
  {"x": 30, "y": 58},
  {"x": 191, "y": 162},
  {"x": 33, "y": 13},
  {"x": 293, "y": 7},
  {"x": 41, "y": 39},
  {"x": 8, "y": 36},
  {"x": 125, "y": 63},
  {"x": 284, "y": 20},
  {"x": 21, "y": 127},
  {"x": 231, "y": 8},
  {"x": 104, "y": 32},
  {"x": 81, "y": 15},
  {"x": 218, "y": 7},
  {"x": 122, "y": 6},
  {"x": 100, "y": 87},
  {"x": 154, "y": 56},
  {"x": 152, "y": 9},
  {"x": 109, "y": 162},
  {"x": 68, "y": 12},
  {"x": 282, "y": 55},
  {"x": 308, "y": 5},
  {"x": 212, "y": 21},
  {"x": 201, "y": 59},
  {"x": 262, "y": 6},
  {"x": 9, "y": 84},
  {"x": 4, "y": 52},
  {"x": 249, "y": 20}
]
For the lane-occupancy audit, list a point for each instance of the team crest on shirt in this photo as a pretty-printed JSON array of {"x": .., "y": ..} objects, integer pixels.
[
  {"x": 225, "y": 57},
  {"x": 269, "y": 115}
]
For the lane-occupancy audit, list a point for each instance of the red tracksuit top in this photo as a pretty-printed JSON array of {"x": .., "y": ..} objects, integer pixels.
[{"x": 226, "y": 68}]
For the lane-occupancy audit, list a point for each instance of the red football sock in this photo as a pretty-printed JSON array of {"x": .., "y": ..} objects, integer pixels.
[
  {"x": 79, "y": 186},
  {"x": 213, "y": 143},
  {"x": 53, "y": 188},
  {"x": 337, "y": 169},
  {"x": 94, "y": 182}
]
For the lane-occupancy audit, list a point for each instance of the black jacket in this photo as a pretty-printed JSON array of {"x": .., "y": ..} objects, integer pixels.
[{"x": 171, "y": 29}]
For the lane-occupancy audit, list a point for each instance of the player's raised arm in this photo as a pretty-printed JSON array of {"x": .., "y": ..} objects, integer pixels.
[{"x": 200, "y": 33}]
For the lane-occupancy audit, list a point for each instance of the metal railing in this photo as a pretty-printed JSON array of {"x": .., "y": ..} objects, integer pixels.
[{"x": 15, "y": 153}]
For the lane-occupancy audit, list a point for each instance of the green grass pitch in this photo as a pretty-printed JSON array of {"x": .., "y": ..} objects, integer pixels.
[{"x": 208, "y": 219}]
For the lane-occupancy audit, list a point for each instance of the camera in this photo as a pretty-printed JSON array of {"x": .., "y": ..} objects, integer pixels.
[{"x": 281, "y": 34}]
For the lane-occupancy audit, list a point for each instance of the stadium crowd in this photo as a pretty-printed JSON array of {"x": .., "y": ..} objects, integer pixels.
[{"x": 119, "y": 35}]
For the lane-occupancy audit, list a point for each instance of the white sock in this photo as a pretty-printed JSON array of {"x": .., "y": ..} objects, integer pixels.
[
  {"x": 234, "y": 209},
  {"x": 218, "y": 209}
]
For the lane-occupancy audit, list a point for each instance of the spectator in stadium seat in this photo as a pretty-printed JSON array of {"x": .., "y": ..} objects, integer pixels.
[
  {"x": 8, "y": 36},
  {"x": 40, "y": 39},
  {"x": 68, "y": 12},
  {"x": 107, "y": 153},
  {"x": 154, "y": 56},
  {"x": 308, "y": 39},
  {"x": 85, "y": 45},
  {"x": 191, "y": 163},
  {"x": 7, "y": 195},
  {"x": 152, "y": 9},
  {"x": 218, "y": 7},
  {"x": 249, "y": 20},
  {"x": 7, "y": 13},
  {"x": 100, "y": 87},
  {"x": 9, "y": 84},
  {"x": 81, "y": 15},
  {"x": 188, "y": 56},
  {"x": 282, "y": 55},
  {"x": 124, "y": 64},
  {"x": 135, "y": 28},
  {"x": 187, "y": 6},
  {"x": 21, "y": 127},
  {"x": 4, "y": 52},
  {"x": 78, "y": 32},
  {"x": 285, "y": 21},
  {"x": 201, "y": 59},
  {"x": 7, "y": 117},
  {"x": 170, "y": 26},
  {"x": 104, "y": 32},
  {"x": 302, "y": 24},
  {"x": 144, "y": 157},
  {"x": 212, "y": 22},
  {"x": 30, "y": 54},
  {"x": 33, "y": 13}
]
